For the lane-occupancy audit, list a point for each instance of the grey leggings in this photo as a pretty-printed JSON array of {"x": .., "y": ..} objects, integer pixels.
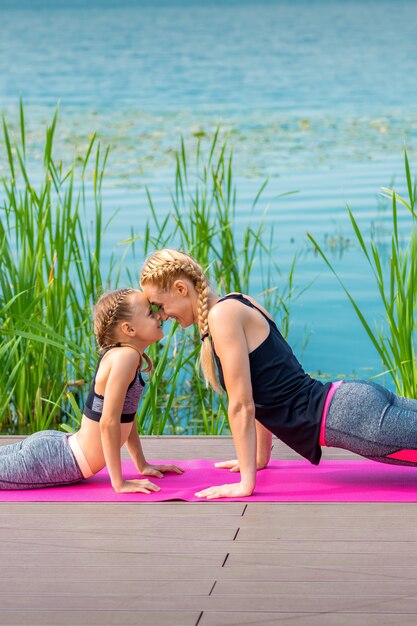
[
  {"x": 370, "y": 420},
  {"x": 42, "y": 460}
]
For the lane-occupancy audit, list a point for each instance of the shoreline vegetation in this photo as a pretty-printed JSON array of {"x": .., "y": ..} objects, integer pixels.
[
  {"x": 265, "y": 142},
  {"x": 52, "y": 271}
]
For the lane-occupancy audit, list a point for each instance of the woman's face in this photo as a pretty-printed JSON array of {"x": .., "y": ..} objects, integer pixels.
[{"x": 178, "y": 303}]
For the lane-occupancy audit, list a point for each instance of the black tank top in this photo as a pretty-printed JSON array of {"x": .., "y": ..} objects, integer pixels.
[{"x": 288, "y": 402}]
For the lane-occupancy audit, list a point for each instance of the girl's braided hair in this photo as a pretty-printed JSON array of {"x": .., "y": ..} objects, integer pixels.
[
  {"x": 162, "y": 269},
  {"x": 111, "y": 308}
]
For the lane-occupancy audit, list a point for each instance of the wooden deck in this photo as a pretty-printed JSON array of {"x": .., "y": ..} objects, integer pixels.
[{"x": 211, "y": 564}]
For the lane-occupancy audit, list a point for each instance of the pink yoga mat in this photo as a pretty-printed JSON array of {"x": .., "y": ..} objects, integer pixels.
[{"x": 282, "y": 481}]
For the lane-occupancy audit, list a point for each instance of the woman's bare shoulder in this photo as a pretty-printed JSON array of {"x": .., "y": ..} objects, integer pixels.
[
  {"x": 236, "y": 308},
  {"x": 222, "y": 310}
]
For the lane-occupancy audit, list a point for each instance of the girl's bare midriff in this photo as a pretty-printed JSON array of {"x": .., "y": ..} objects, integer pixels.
[{"x": 89, "y": 440}]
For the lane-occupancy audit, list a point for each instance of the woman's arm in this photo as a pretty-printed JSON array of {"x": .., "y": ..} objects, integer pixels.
[
  {"x": 264, "y": 445},
  {"x": 263, "y": 451},
  {"x": 227, "y": 331}
]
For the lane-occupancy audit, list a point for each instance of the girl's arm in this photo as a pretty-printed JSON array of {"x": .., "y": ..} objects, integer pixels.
[
  {"x": 123, "y": 366},
  {"x": 231, "y": 346},
  {"x": 134, "y": 447}
]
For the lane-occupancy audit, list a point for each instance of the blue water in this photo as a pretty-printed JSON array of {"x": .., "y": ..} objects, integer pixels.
[
  {"x": 301, "y": 56},
  {"x": 320, "y": 96}
]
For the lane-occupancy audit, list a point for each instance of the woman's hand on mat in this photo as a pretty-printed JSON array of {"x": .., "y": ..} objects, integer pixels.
[
  {"x": 137, "y": 486},
  {"x": 233, "y": 465},
  {"x": 236, "y": 490},
  {"x": 159, "y": 470}
]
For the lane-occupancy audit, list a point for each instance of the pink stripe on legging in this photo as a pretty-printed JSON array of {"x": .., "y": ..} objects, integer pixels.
[
  {"x": 330, "y": 394},
  {"x": 404, "y": 455}
]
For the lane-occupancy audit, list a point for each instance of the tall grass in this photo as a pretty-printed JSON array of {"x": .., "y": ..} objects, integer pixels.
[
  {"x": 51, "y": 239},
  {"x": 50, "y": 275},
  {"x": 394, "y": 340},
  {"x": 203, "y": 223}
]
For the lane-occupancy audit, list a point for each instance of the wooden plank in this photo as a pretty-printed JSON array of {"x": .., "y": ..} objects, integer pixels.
[
  {"x": 285, "y": 603},
  {"x": 324, "y": 510},
  {"x": 128, "y": 524},
  {"x": 117, "y": 558},
  {"x": 134, "y": 535},
  {"x": 204, "y": 447},
  {"x": 383, "y": 588},
  {"x": 113, "y": 545},
  {"x": 318, "y": 534},
  {"x": 168, "y": 571},
  {"x": 21, "y": 574},
  {"x": 254, "y": 557},
  {"x": 317, "y": 572},
  {"x": 324, "y": 547},
  {"x": 251, "y": 618},
  {"x": 110, "y": 509},
  {"x": 111, "y": 587},
  {"x": 17, "y": 617}
]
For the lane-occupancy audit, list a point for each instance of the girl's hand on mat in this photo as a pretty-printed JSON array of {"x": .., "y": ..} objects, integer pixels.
[
  {"x": 236, "y": 490},
  {"x": 159, "y": 470},
  {"x": 232, "y": 465},
  {"x": 137, "y": 486}
]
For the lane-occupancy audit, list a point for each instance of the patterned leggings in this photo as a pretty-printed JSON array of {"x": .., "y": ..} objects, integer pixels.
[
  {"x": 42, "y": 460},
  {"x": 370, "y": 420}
]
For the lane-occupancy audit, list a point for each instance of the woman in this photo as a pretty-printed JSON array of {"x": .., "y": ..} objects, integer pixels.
[{"x": 268, "y": 391}]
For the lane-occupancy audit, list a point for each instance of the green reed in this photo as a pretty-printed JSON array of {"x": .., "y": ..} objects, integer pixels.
[
  {"x": 203, "y": 223},
  {"x": 51, "y": 240},
  {"x": 50, "y": 275},
  {"x": 397, "y": 287}
]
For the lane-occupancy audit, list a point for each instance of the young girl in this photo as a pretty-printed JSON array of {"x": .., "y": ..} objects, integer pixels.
[
  {"x": 268, "y": 391},
  {"x": 124, "y": 325}
]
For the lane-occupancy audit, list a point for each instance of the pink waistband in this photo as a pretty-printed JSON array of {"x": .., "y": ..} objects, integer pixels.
[
  {"x": 79, "y": 456},
  {"x": 330, "y": 394}
]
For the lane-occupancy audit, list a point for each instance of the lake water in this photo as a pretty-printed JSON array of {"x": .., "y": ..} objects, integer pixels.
[{"x": 320, "y": 96}]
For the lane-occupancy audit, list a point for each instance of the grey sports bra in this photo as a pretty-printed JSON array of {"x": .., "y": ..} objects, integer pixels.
[{"x": 93, "y": 408}]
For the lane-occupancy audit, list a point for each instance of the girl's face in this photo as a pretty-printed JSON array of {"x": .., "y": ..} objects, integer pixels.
[
  {"x": 145, "y": 322},
  {"x": 179, "y": 303}
]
